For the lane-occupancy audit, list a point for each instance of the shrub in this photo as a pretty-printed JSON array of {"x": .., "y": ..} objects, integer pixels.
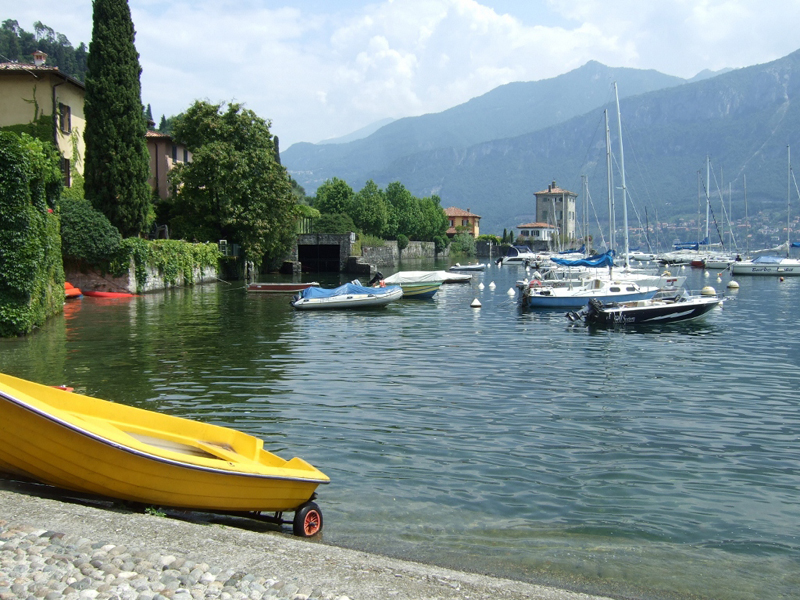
[
  {"x": 86, "y": 233},
  {"x": 402, "y": 242}
]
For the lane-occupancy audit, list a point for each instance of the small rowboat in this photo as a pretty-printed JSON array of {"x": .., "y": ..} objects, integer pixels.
[
  {"x": 98, "y": 447},
  {"x": 475, "y": 267},
  {"x": 281, "y": 287}
]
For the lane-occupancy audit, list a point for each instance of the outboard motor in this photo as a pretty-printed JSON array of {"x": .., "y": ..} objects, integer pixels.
[{"x": 376, "y": 279}]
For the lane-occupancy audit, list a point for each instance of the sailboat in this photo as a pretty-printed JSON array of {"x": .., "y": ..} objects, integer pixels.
[{"x": 771, "y": 264}]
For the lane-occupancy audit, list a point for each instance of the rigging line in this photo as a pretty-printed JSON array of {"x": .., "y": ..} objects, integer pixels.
[
  {"x": 597, "y": 220},
  {"x": 724, "y": 215},
  {"x": 644, "y": 175}
]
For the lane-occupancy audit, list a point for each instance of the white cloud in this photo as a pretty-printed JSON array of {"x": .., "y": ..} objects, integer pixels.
[{"x": 319, "y": 69}]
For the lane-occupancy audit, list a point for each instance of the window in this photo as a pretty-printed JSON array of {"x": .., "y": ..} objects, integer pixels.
[
  {"x": 452, "y": 222},
  {"x": 174, "y": 153},
  {"x": 465, "y": 222},
  {"x": 185, "y": 155},
  {"x": 65, "y": 172},
  {"x": 64, "y": 118}
]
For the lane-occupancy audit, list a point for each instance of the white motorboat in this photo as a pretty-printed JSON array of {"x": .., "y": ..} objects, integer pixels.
[
  {"x": 767, "y": 265},
  {"x": 349, "y": 295},
  {"x": 519, "y": 255},
  {"x": 536, "y": 295},
  {"x": 683, "y": 306}
]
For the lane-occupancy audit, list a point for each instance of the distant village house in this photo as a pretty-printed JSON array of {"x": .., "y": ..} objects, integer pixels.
[
  {"x": 555, "y": 207},
  {"x": 165, "y": 153},
  {"x": 464, "y": 220}
]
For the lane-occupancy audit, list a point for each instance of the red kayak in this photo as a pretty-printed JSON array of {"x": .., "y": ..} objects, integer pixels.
[{"x": 96, "y": 294}]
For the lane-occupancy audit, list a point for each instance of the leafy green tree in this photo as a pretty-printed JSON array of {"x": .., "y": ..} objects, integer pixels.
[
  {"x": 234, "y": 188},
  {"x": 117, "y": 163},
  {"x": 334, "y": 197},
  {"x": 404, "y": 208},
  {"x": 433, "y": 221},
  {"x": 368, "y": 209},
  {"x": 337, "y": 223}
]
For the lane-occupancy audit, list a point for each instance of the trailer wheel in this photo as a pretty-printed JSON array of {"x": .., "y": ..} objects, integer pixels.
[{"x": 307, "y": 520}]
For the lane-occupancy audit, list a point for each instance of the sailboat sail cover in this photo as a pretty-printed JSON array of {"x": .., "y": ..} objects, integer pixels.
[{"x": 602, "y": 260}]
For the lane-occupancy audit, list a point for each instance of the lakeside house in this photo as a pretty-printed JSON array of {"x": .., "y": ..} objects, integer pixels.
[
  {"x": 537, "y": 235},
  {"x": 555, "y": 207},
  {"x": 165, "y": 153},
  {"x": 460, "y": 218},
  {"x": 34, "y": 96}
]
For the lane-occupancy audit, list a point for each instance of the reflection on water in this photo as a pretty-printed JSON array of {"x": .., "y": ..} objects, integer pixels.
[{"x": 653, "y": 463}]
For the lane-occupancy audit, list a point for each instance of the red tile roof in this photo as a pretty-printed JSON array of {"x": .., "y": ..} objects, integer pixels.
[
  {"x": 535, "y": 226},
  {"x": 452, "y": 211}
]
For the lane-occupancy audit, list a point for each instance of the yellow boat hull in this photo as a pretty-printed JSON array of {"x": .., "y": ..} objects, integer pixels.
[{"x": 99, "y": 447}]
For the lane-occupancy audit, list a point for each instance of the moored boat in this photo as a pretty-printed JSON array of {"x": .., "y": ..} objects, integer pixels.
[
  {"x": 519, "y": 255},
  {"x": 70, "y": 291},
  {"x": 349, "y": 295},
  {"x": 536, "y": 295},
  {"x": 280, "y": 287},
  {"x": 94, "y": 446},
  {"x": 415, "y": 284},
  {"x": 474, "y": 267},
  {"x": 767, "y": 265},
  {"x": 684, "y": 306}
]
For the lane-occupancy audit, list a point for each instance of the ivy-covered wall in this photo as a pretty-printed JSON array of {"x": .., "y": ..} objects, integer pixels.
[
  {"x": 175, "y": 262},
  {"x": 31, "y": 271}
]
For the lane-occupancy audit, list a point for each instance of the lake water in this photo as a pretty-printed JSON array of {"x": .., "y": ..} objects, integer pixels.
[{"x": 650, "y": 463}]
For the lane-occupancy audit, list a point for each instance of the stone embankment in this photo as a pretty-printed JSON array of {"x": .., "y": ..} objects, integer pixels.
[{"x": 52, "y": 549}]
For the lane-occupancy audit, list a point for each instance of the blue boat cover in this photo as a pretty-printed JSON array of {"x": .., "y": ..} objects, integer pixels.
[
  {"x": 601, "y": 260},
  {"x": 347, "y": 288},
  {"x": 795, "y": 244}
]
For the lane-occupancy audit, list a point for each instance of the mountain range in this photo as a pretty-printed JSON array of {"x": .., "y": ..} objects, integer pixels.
[{"x": 492, "y": 153}]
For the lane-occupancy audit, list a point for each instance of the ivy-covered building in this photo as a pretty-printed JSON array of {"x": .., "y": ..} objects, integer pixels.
[{"x": 47, "y": 104}]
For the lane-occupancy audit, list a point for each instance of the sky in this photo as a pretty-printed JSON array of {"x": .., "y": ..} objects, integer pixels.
[{"x": 321, "y": 69}]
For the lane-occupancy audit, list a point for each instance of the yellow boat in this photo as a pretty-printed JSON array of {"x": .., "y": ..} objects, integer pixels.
[{"x": 94, "y": 446}]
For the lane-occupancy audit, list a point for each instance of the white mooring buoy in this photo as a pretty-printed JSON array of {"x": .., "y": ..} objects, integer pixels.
[
  {"x": 476, "y": 303},
  {"x": 734, "y": 285},
  {"x": 492, "y": 286},
  {"x": 480, "y": 286},
  {"x": 511, "y": 292}
]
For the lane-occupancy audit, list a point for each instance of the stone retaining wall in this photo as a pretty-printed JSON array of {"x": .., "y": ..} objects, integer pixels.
[{"x": 89, "y": 279}]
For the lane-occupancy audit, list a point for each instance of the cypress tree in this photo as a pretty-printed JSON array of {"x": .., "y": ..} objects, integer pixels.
[{"x": 117, "y": 161}]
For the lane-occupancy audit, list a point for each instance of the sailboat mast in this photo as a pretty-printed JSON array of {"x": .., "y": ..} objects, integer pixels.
[
  {"x": 746, "y": 219},
  {"x": 611, "y": 216},
  {"x": 622, "y": 174},
  {"x": 708, "y": 187},
  {"x": 788, "y": 198}
]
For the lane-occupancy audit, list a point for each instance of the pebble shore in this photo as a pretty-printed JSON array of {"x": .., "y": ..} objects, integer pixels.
[
  {"x": 35, "y": 563},
  {"x": 51, "y": 548}
]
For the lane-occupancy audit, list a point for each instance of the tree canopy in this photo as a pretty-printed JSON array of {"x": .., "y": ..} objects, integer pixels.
[
  {"x": 233, "y": 189},
  {"x": 117, "y": 163},
  {"x": 16, "y": 44},
  {"x": 386, "y": 213}
]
